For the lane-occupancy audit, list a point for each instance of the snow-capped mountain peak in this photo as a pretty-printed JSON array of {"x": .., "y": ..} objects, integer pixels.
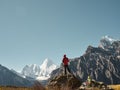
[
  {"x": 46, "y": 63},
  {"x": 108, "y": 38},
  {"x": 47, "y": 67},
  {"x": 106, "y": 42},
  {"x": 31, "y": 70},
  {"x": 40, "y": 72}
]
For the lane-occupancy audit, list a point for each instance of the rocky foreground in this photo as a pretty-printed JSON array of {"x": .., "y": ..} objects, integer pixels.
[
  {"x": 70, "y": 82},
  {"x": 64, "y": 81}
]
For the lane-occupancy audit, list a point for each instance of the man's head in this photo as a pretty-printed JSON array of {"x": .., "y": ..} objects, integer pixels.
[{"x": 64, "y": 55}]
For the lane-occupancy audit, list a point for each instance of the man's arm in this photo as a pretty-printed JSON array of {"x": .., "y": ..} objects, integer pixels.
[{"x": 63, "y": 60}]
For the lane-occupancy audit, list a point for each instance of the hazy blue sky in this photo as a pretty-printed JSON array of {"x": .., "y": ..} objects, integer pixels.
[{"x": 32, "y": 30}]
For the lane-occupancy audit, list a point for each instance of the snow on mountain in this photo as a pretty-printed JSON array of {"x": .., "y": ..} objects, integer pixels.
[
  {"x": 10, "y": 78},
  {"x": 31, "y": 70},
  {"x": 47, "y": 67},
  {"x": 106, "y": 42},
  {"x": 18, "y": 73},
  {"x": 41, "y": 72}
]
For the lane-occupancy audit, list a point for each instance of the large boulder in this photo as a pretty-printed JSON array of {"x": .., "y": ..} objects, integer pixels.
[{"x": 64, "y": 81}]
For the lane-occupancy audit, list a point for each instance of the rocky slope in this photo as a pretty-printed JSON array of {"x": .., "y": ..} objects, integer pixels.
[
  {"x": 8, "y": 78},
  {"x": 102, "y": 63},
  {"x": 64, "y": 82}
]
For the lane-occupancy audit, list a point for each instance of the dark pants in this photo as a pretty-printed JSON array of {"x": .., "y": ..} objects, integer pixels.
[{"x": 66, "y": 68}]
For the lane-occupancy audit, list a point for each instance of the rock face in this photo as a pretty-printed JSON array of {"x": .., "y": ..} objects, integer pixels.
[
  {"x": 8, "y": 78},
  {"x": 102, "y": 63},
  {"x": 64, "y": 82}
]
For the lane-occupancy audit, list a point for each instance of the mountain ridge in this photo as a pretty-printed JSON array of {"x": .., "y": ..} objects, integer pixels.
[
  {"x": 9, "y": 78},
  {"x": 39, "y": 72},
  {"x": 102, "y": 64}
]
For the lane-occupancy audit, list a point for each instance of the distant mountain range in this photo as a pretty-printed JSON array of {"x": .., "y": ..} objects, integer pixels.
[
  {"x": 28, "y": 76},
  {"x": 9, "y": 78},
  {"x": 102, "y": 63},
  {"x": 41, "y": 72}
]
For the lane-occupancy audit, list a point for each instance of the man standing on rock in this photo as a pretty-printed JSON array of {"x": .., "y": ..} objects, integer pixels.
[{"x": 65, "y": 63}]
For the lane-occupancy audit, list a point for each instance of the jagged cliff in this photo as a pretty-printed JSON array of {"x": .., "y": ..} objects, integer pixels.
[{"x": 102, "y": 63}]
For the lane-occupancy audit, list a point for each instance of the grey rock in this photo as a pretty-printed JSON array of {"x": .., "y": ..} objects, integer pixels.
[{"x": 103, "y": 64}]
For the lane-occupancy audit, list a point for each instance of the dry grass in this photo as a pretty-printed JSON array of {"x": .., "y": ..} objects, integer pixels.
[
  {"x": 22, "y": 88},
  {"x": 19, "y": 88},
  {"x": 115, "y": 87},
  {"x": 15, "y": 88},
  {"x": 38, "y": 86},
  {"x": 59, "y": 88}
]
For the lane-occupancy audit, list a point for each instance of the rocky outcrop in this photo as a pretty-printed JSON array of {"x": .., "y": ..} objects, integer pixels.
[
  {"x": 64, "y": 81},
  {"x": 102, "y": 64}
]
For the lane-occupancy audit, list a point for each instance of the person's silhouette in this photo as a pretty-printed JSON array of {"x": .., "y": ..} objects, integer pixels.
[{"x": 65, "y": 63}]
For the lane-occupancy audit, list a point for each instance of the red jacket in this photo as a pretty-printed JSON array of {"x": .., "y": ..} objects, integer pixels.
[{"x": 65, "y": 60}]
